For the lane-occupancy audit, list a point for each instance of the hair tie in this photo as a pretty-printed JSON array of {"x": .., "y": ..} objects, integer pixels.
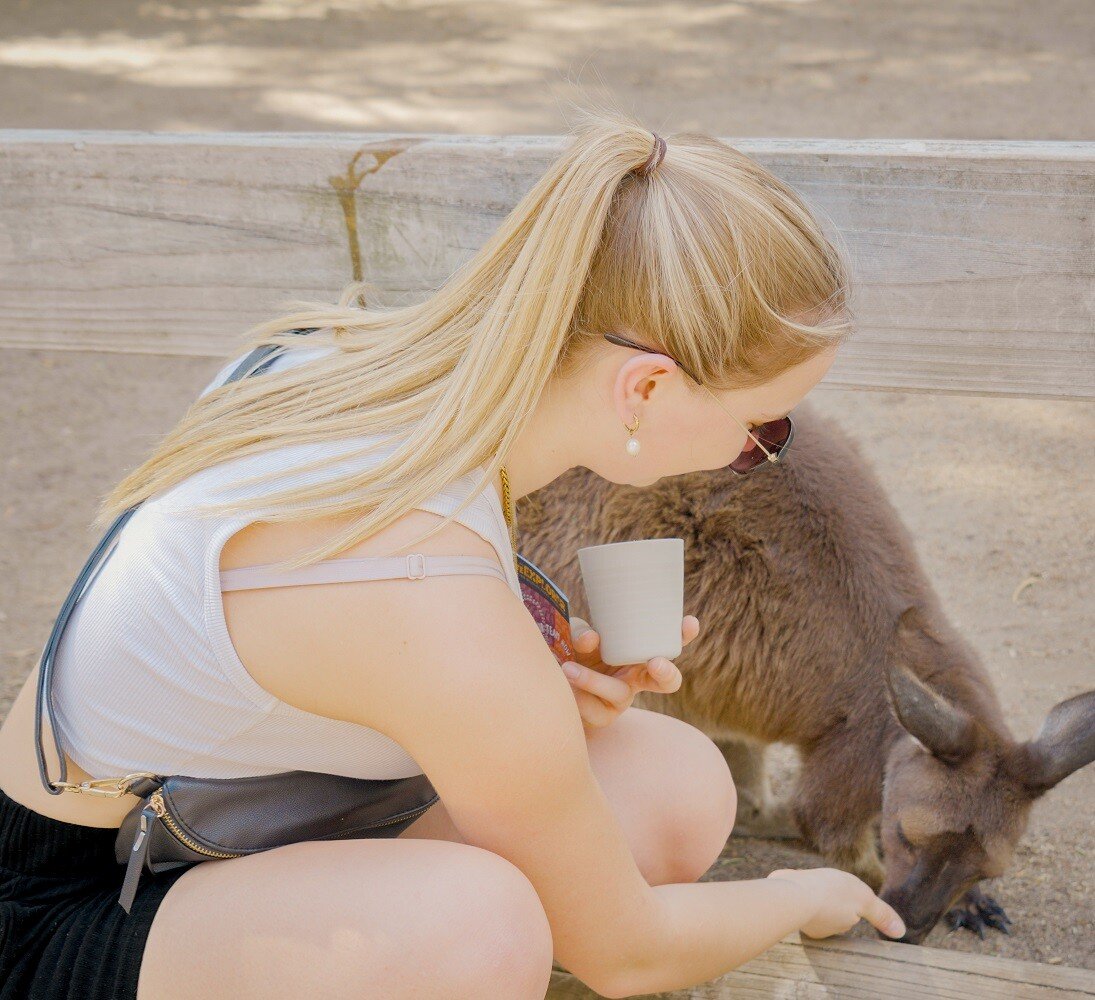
[{"x": 657, "y": 154}]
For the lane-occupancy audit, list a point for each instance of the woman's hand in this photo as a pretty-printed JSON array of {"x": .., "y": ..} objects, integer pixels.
[
  {"x": 603, "y": 692},
  {"x": 839, "y": 900}
]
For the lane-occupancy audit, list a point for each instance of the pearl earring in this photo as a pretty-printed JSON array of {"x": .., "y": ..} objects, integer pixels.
[{"x": 632, "y": 445}]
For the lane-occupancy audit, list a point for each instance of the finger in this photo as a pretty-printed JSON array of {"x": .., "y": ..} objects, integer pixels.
[
  {"x": 586, "y": 642},
  {"x": 690, "y": 628},
  {"x": 610, "y": 689},
  {"x": 661, "y": 675},
  {"x": 657, "y": 674},
  {"x": 880, "y": 914},
  {"x": 605, "y": 686},
  {"x": 578, "y": 626},
  {"x": 632, "y": 674},
  {"x": 593, "y": 711}
]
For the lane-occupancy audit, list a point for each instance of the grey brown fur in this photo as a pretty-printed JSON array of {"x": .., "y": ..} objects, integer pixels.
[{"x": 820, "y": 628}]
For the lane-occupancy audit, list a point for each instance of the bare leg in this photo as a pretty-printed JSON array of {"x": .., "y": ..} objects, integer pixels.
[
  {"x": 668, "y": 785},
  {"x": 424, "y": 913},
  {"x": 369, "y": 919}
]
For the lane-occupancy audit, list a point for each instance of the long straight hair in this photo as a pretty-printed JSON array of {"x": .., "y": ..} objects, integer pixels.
[{"x": 709, "y": 257}]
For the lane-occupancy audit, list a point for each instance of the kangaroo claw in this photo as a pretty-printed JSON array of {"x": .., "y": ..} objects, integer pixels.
[{"x": 976, "y": 911}]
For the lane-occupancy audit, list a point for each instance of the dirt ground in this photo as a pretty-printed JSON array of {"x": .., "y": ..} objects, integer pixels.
[{"x": 998, "y": 491}]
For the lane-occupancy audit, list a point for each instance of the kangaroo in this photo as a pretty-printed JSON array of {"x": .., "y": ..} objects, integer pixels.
[{"x": 820, "y": 630}]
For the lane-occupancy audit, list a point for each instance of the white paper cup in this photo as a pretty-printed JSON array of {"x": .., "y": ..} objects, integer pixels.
[{"x": 635, "y": 592}]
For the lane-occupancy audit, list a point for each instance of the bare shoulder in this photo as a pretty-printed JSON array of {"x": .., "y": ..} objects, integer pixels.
[{"x": 279, "y": 633}]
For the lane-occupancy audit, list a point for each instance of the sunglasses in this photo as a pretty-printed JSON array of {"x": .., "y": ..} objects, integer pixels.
[{"x": 770, "y": 439}]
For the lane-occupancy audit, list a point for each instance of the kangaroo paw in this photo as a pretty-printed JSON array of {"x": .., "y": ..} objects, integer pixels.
[{"x": 977, "y": 910}]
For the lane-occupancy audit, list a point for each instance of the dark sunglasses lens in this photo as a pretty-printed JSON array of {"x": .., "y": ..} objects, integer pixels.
[{"x": 773, "y": 435}]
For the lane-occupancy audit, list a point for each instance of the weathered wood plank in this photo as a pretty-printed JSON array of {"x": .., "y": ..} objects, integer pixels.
[
  {"x": 861, "y": 969},
  {"x": 974, "y": 261}
]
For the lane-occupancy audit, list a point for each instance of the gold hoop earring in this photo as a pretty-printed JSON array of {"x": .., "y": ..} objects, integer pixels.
[{"x": 632, "y": 445}]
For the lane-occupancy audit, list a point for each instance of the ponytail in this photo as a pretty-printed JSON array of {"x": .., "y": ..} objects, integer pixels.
[{"x": 624, "y": 230}]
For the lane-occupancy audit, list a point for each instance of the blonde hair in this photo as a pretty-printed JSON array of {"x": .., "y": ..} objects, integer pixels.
[{"x": 709, "y": 257}]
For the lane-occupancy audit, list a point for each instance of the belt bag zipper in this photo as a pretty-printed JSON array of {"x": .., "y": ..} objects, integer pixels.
[{"x": 156, "y": 809}]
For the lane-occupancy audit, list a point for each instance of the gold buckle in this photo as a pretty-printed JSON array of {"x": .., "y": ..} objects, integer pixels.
[{"x": 110, "y": 787}]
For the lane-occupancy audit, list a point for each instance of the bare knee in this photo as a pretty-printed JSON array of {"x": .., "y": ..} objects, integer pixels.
[
  {"x": 501, "y": 944},
  {"x": 487, "y": 934},
  {"x": 702, "y": 810}
]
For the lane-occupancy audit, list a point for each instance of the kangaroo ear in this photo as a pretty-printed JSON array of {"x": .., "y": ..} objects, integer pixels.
[
  {"x": 912, "y": 621},
  {"x": 1065, "y": 743},
  {"x": 948, "y": 731}
]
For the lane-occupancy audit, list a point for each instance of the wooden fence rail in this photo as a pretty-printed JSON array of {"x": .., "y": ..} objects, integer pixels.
[
  {"x": 862, "y": 969},
  {"x": 973, "y": 261}
]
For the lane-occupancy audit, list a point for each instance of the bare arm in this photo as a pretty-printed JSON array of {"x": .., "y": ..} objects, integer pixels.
[{"x": 469, "y": 688}]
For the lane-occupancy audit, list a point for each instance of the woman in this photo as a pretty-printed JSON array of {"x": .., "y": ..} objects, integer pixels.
[{"x": 569, "y": 824}]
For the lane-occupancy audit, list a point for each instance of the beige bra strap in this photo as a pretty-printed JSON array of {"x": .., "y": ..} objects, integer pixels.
[{"x": 415, "y": 566}]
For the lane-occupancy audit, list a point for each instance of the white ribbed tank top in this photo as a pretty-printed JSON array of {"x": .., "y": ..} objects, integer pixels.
[{"x": 146, "y": 677}]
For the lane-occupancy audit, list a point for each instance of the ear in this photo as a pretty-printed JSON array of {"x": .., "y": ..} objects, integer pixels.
[
  {"x": 913, "y": 623},
  {"x": 1065, "y": 743},
  {"x": 947, "y": 730}
]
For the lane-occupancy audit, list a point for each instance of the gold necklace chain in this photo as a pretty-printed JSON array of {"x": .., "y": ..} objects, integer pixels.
[{"x": 509, "y": 509}]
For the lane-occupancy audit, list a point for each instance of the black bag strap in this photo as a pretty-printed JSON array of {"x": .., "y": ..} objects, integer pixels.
[{"x": 254, "y": 363}]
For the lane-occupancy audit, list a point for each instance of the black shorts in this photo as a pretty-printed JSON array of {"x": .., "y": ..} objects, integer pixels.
[{"x": 63, "y": 933}]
